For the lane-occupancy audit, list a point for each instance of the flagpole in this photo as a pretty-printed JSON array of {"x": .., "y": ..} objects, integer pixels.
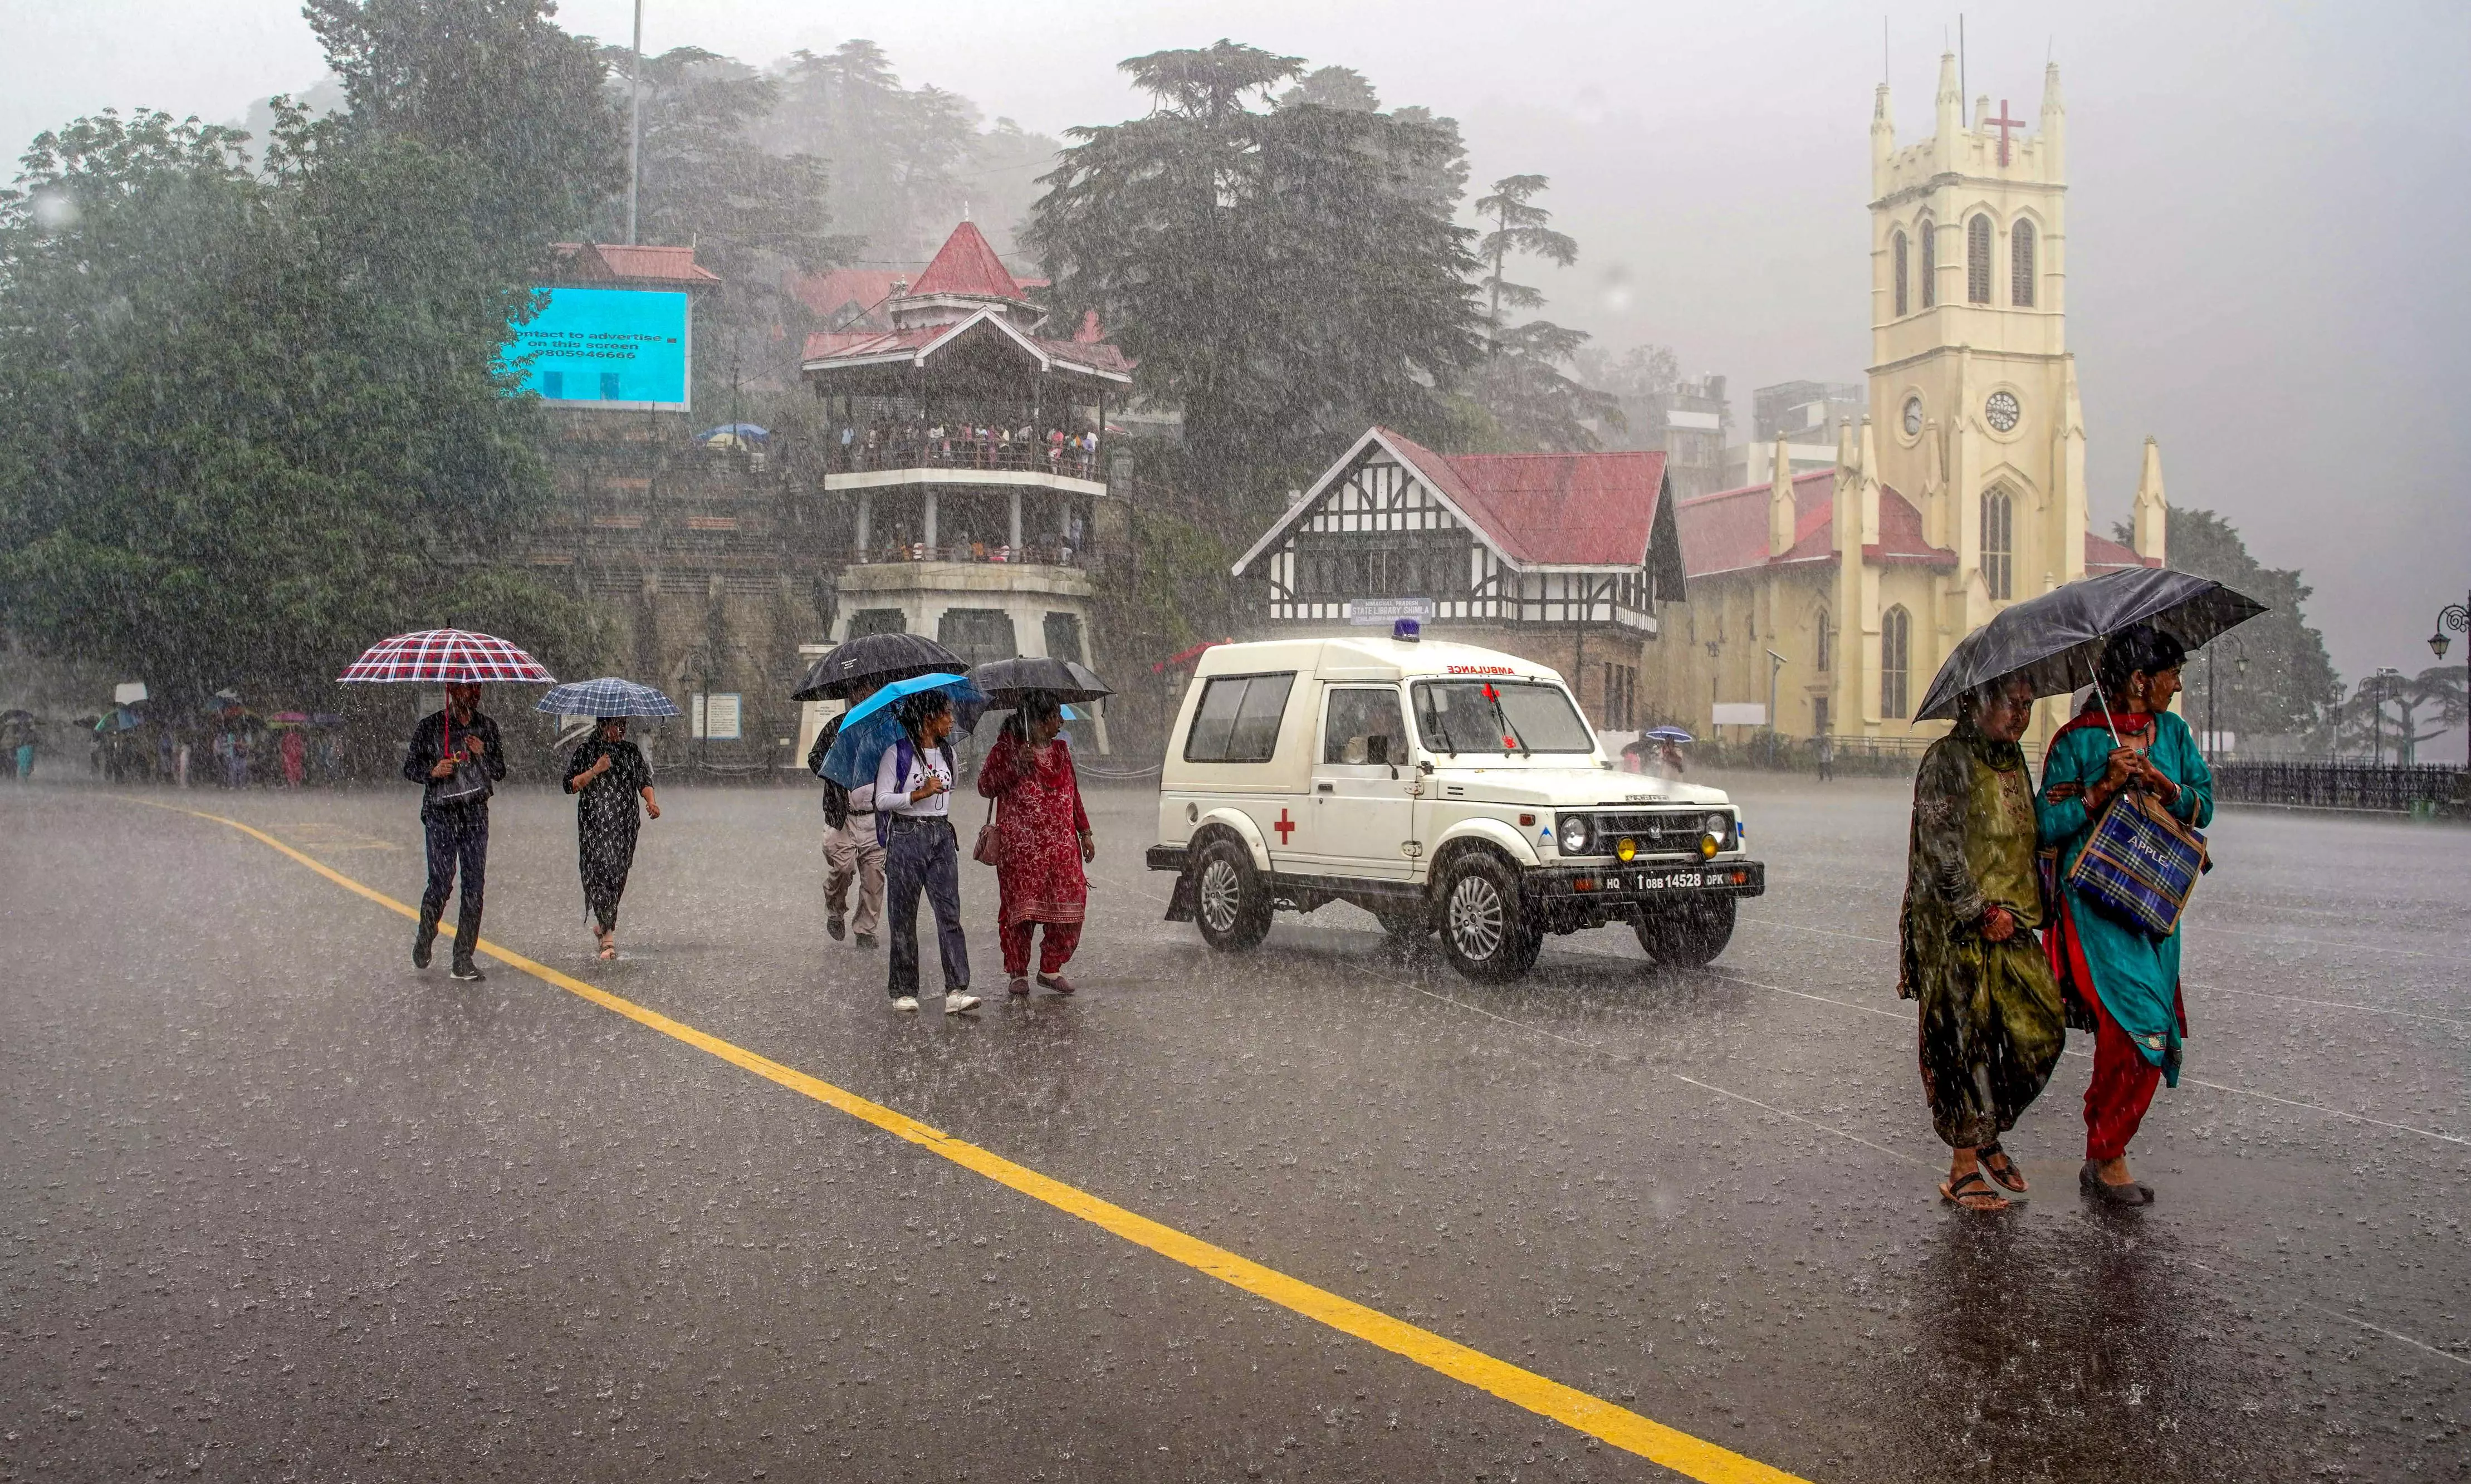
[{"x": 635, "y": 128}]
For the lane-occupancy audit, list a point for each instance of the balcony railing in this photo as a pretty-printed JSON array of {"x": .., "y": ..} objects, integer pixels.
[
  {"x": 976, "y": 551},
  {"x": 961, "y": 451}
]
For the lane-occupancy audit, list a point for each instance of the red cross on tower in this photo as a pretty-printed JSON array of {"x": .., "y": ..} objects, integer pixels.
[{"x": 2003, "y": 123}]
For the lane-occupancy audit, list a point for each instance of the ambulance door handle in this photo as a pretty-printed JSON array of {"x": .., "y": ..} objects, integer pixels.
[{"x": 1325, "y": 788}]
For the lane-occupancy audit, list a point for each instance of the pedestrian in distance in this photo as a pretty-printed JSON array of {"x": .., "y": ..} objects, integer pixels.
[
  {"x": 853, "y": 855},
  {"x": 913, "y": 803},
  {"x": 2122, "y": 983},
  {"x": 1042, "y": 840},
  {"x": 1826, "y": 747},
  {"x": 1991, "y": 1021},
  {"x": 456, "y": 759},
  {"x": 607, "y": 775}
]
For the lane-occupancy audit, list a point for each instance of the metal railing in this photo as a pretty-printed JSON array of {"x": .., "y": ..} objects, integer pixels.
[
  {"x": 974, "y": 552},
  {"x": 2383, "y": 787},
  {"x": 960, "y": 452}
]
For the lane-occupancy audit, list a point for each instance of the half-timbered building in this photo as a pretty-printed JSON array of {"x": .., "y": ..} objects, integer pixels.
[{"x": 1561, "y": 558}]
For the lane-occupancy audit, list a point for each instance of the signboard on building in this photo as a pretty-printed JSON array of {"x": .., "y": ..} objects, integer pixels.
[
  {"x": 1383, "y": 612},
  {"x": 1741, "y": 713},
  {"x": 622, "y": 349},
  {"x": 716, "y": 716}
]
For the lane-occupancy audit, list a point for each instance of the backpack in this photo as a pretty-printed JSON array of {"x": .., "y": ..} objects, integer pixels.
[{"x": 836, "y": 810}]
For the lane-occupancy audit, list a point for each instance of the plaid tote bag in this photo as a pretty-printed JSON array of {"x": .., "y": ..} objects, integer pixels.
[{"x": 2141, "y": 866}]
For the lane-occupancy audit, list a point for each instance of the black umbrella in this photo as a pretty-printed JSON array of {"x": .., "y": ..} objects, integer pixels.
[
  {"x": 1005, "y": 681},
  {"x": 2054, "y": 640},
  {"x": 873, "y": 660}
]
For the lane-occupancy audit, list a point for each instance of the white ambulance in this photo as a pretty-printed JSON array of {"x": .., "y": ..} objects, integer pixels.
[{"x": 1442, "y": 788}]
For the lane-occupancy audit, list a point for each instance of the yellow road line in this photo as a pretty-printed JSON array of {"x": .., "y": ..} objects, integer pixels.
[{"x": 1675, "y": 1449}]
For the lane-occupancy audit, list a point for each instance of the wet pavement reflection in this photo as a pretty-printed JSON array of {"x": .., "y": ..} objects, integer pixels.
[{"x": 280, "y": 1206}]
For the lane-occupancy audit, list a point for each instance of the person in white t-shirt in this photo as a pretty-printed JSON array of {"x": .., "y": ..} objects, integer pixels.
[{"x": 913, "y": 802}]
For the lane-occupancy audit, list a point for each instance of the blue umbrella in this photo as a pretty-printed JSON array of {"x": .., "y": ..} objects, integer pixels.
[
  {"x": 747, "y": 430},
  {"x": 1671, "y": 733},
  {"x": 606, "y": 696},
  {"x": 873, "y": 724}
]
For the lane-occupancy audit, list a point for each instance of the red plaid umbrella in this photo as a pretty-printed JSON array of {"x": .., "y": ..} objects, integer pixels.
[{"x": 445, "y": 656}]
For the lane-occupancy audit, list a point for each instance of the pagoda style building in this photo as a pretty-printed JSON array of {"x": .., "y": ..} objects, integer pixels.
[{"x": 969, "y": 448}]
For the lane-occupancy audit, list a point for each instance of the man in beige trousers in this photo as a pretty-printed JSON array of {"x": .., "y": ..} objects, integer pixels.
[{"x": 850, "y": 854}]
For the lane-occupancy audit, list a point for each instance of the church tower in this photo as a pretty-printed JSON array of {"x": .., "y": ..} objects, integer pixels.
[{"x": 1970, "y": 373}]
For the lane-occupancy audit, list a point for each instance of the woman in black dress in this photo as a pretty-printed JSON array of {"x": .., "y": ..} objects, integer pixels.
[{"x": 605, "y": 775}]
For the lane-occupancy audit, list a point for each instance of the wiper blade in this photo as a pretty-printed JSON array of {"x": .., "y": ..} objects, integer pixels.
[{"x": 1510, "y": 736}]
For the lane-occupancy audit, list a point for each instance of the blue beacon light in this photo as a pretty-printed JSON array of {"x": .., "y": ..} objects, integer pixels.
[{"x": 1407, "y": 629}]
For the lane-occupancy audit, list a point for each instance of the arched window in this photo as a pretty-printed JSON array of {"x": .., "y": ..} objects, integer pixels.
[
  {"x": 1930, "y": 263},
  {"x": 2020, "y": 264},
  {"x": 1904, "y": 301},
  {"x": 1896, "y": 661},
  {"x": 1826, "y": 645},
  {"x": 1998, "y": 545},
  {"x": 1977, "y": 260}
]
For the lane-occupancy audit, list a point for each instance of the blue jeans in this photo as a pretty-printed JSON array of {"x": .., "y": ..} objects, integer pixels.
[
  {"x": 458, "y": 833},
  {"x": 923, "y": 854}
]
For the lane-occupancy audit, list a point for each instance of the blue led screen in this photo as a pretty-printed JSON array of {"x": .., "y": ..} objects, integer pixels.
[{"x": 609, "y": 347}]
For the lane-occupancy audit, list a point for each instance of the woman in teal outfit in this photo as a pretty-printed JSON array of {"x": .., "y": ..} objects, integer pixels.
[{"x": 2122, "y": 983}]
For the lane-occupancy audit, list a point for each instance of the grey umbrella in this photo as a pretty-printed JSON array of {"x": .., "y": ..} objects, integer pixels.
[
  {"x": 2055, "y": 640},
  {"x": 871, "y": 660},
  {"x": 1006, "y": 681}
]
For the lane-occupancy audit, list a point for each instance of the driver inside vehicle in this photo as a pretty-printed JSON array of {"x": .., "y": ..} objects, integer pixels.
[{"x": 1366, "y": 728}]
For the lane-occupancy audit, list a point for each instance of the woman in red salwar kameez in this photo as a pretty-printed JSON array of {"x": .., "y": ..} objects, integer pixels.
[{"x": 1044, "y": 837}]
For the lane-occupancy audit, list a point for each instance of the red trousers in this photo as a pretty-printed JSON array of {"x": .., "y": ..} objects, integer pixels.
[
  {"x": 2121, "y": 1090},
  {"x": 1061, "y": 939}
]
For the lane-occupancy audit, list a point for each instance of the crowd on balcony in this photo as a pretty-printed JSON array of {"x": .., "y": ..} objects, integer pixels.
[
  {"x": 1058, "y": 555},
  {"x": 910, "y": 445}
]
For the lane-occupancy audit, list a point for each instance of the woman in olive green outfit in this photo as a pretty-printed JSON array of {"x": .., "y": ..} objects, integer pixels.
[{"x": 1992, "y": 1024}]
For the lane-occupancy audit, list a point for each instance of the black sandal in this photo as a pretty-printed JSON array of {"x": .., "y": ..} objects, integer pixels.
[
  {"x": 2011, "y": 1177},
  {"x": 1966, "y": 1187},
  {"x": 2133, "y": 1193}
]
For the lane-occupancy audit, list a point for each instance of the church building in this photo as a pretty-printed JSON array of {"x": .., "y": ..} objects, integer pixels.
[{"x": 1836, "y": 593}]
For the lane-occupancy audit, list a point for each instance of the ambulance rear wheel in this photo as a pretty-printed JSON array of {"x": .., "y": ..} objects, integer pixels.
[{"x": 1229, "y": 904}]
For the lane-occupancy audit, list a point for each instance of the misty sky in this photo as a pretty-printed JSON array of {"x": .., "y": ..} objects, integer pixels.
[{"x": 2267, "y": 227}]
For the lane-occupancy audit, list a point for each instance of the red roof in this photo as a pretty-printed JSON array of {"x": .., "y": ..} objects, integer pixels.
[
  {"x": 2103, "y": 554},
  {"x": 635, "y": 263},
  {"x": 966, "y": 265},
  {"x": 830, "y": 294},
  {"x": 1552, "y": 510},
  {"x": 1727, "y": 531}
]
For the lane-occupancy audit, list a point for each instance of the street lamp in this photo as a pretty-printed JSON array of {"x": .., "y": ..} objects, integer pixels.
[
  {"x": 2456, "y": 615},
  {"x": 1775, "y": 667},
  {"x": 2239, "y": 656}
]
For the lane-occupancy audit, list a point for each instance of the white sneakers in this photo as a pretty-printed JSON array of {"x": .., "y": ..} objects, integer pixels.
[{"x": 954, "y": 1003}]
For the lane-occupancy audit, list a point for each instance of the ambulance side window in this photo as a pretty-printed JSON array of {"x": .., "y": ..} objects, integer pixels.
[
  {"x": 1238, "y": 719},
  {"x": 1365, "y": 726}
]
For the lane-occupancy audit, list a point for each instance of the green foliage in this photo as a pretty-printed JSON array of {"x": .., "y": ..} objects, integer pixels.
[
  {"x": 899, "y": 155},
  {"x": 1283, "y": 277},
  {"x": 255, "y": 422},
  {"x": 1532, "y": 402},
  {"x": 496, "y": 86},
  {"x": 2289, "y": 686}
]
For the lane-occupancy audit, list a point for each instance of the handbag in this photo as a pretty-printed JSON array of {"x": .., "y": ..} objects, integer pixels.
[
  {"x": 990, "y": 848},
  {"x": 2141, "y": 865},
  {"x": 470, "y": 783}
]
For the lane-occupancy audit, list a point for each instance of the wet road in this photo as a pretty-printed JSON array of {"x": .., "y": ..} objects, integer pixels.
[{"x": 276, "y": 1206}]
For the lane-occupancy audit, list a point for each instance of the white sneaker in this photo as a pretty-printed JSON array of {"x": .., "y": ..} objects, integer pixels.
[
  {"x": 907, "y": 1004},
  {"x": 956, "y": 1004}
]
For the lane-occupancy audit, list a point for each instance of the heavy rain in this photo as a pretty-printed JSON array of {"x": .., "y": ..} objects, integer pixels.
[{"x": 1304, "y": 744}]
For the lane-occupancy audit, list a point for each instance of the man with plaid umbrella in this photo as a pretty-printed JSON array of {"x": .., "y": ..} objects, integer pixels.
[{"x": 455, "y": 756}]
